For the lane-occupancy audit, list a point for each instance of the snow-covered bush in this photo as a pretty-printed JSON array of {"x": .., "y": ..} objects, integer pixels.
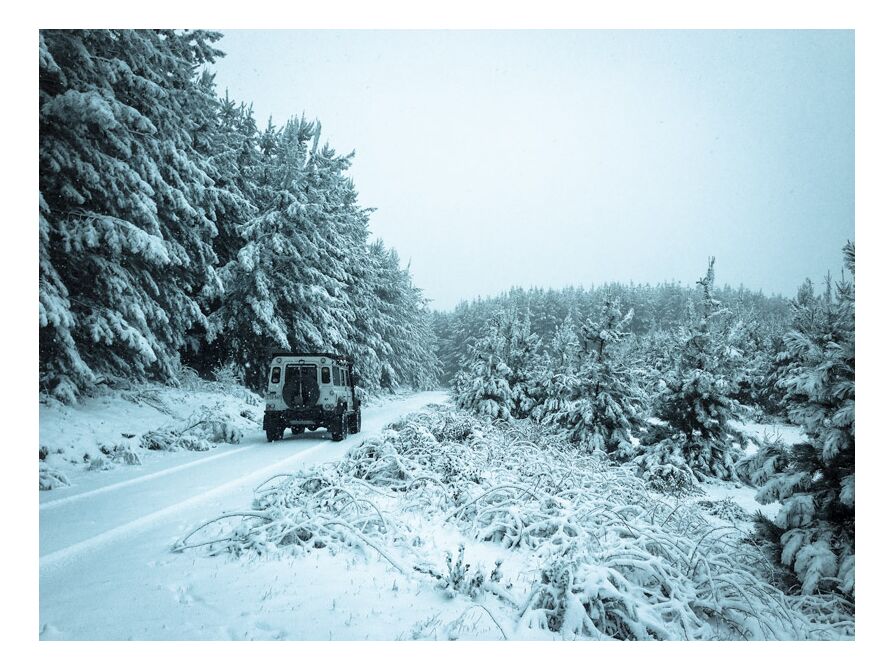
[
  {"x": 166, "y": 440},
  {"x": 229, "y": 374},
  {"x": 196, "y": 433},
  {"x": 625, "y": 594},
  {"x": 211, "y": 424},
  {"x": 188, "y": 379},
  {"x": 669, "y": 475},
  {"x": 52, "y": 478},
  {"x": 726, "y": 508},
  {"x": 458, "y": 578},
  {"x": 121, "y": 452}
]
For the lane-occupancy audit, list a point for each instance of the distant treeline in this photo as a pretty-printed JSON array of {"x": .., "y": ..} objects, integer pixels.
[
  {"x": 173, "y": 230},
  {"x": 656, "y": 309}
]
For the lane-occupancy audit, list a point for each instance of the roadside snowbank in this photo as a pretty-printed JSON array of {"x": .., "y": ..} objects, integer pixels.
[{"x": 129, "y": 427}]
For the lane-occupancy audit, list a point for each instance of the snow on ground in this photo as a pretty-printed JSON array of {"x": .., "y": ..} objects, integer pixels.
[
  {"x": 742, "y": 494},
  {"x": 108, "y": 571},
  {"x": 769, "y": 431}
]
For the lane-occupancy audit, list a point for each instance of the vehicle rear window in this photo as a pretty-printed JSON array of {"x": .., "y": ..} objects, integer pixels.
[
  {"x": 324, "y": 372},
  {"x": 274, "y": 376}
]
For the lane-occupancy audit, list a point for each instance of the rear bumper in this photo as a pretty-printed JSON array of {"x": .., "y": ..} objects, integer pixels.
[{"x": 302, "y": 416}]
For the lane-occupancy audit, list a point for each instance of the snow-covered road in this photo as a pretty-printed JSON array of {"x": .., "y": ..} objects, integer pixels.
[{"x": 106, "y": 570}]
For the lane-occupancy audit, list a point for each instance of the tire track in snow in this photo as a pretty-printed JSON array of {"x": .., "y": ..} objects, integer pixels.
[
  {"x": 63, "y": 556},
  {"x": 59, "y": 502}
]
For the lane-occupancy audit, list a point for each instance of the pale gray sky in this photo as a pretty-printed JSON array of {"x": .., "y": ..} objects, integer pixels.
[{"x": 548, "y": 158}]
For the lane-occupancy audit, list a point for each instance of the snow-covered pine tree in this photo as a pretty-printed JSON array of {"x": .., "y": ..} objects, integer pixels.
[
  {"x": 695, "y": 439},
  {"x": 230, "y": 139},
  {"x": 814, "y": 531},
  {"x": 276, "y": 292},
  {"x": 311, "y": 280},
  {"x": 125, "y": 237},
  {"x": 558, "y": 379},
  {"x": 602, "y": 402},
  {"x": 486, "y": 389},
  {"x": 755, "y": 343},
  {"x": 234, "y": 160},
  {"x": 656, "y": 351},
  {"x": 399, "y": 320},
  {"x": 522, "y": 357}
]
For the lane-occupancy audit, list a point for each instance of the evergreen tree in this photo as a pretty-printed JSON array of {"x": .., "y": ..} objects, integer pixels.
[
  {"x": 486, "y": 390},
  {"x": 522, "y": 356},
  {"x": 230, "y": 139},
  {"x": 401, "y": 336},
  {"x": 125, "y": 243},
  {"x": 558, "y": 380},
  {"x": 601, "y": 403},
  {"x": 270, "y": 287},
  {"x": 814, "y": 531},
  {"x": 695, "y": 405}
]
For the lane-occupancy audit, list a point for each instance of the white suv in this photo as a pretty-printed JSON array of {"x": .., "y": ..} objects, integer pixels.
[{"x": 310, "y": 391}]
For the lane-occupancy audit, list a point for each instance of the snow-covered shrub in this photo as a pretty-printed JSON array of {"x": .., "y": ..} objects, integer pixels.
[
  {"x": 459, "y": 579},
  {"x": 293, "y": 513},
  {"x": 188, "y": 379},
  {"x": 158, "y": 440},
  {"x": 166, "y": 440},
  {"x": 121, "y": 452},
  {"x": 626, "y": 593},
  {"x": 211, "y": 424},
  {"x": 668, "y": 478},
  {"x": 229, "y": 374},
  {"x": 191, "y": 443},
  {"x": 196, "y": 433},
  {"x": 726, "y": 508},
  {"x": 99, "y": 462},
  {"x": 376, "y": 461},
  {"x": 454, "y": 427},
  {"x": 149, "y": 396},
  {"x": 52, "y": 478}
]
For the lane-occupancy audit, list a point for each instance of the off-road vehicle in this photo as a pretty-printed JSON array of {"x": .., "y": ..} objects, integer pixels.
[{"x": 306, "y": 391}]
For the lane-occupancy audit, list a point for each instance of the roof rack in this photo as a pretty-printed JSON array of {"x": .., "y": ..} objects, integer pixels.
[{"x": 339, "y": 357}]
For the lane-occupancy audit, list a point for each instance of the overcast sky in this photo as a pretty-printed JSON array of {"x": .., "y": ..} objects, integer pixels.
[{"x": 548, "y": 158}]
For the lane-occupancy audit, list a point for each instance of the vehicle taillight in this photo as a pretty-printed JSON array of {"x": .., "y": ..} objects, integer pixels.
[{"x": 274, "y": 376}]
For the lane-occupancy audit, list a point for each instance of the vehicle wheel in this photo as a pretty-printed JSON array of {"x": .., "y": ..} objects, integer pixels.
[
  {"x": 274, "y": 434},
  {"x": 355, "y": 423},
  {"x": 297, "y": 430},
  {"x": 339, "y": 428}
]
